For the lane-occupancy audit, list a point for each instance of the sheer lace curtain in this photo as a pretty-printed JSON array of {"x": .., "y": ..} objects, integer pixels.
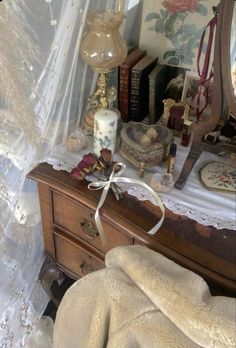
[{"x": 43, "y": 86}]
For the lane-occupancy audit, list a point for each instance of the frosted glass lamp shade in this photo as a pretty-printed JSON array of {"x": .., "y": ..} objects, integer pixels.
[{"x": 103, "y": 47}]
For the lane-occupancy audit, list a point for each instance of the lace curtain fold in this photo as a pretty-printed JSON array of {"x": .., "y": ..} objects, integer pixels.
[{"x": 43, "y": 88}]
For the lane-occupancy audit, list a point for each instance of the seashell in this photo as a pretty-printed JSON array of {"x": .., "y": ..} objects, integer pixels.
[{"x": 76, "y": 141}]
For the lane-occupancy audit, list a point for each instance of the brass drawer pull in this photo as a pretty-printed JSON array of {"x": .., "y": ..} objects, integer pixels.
[
  {"x": 86, "y": 268},
  {"x": 89, "y": 228}
]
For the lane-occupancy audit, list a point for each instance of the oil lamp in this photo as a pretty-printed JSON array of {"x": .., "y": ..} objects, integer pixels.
[{"x": 103, "y": 48}]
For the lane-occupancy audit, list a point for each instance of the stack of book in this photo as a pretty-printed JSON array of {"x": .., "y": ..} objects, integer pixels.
[
  {"x": 125, "y": 82},
  {"x": 139, "y": 89},
  {"x": 142, "y": 84}
]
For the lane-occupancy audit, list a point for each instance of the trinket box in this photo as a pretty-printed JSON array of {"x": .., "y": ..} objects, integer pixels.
[{"x": 145, "y": 145}]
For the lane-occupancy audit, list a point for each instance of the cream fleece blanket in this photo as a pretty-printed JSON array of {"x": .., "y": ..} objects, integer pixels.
[{"x": 143, "y": 299}]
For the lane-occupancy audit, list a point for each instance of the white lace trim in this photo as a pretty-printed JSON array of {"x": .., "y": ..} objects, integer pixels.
[
  {"x": 179, "y": 208},
  {"x": 195, "y": 203},
  {"x": 199, "y": 216}
]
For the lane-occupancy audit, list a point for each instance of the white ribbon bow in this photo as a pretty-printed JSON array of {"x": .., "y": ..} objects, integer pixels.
[{"x": 116, "y": 177}]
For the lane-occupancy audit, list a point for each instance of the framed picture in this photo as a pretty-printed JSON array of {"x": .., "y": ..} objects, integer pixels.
[
  {"x": 191, "y": 83},
  {"x": 172, "y": 30},
  {"x": 190, "y": 90},
  {"x": 175, "y": 77},
  {"x": 175, "y": 114}
]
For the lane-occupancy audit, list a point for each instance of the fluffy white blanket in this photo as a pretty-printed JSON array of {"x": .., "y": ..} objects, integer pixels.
[{"x": 143, "y": 299}]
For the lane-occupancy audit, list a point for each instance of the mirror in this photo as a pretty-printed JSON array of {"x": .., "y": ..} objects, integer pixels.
[
  {"x": 228, "y": 54},
  {"x": 233, "y": 50},
  {"x": 223, "y": 90}
]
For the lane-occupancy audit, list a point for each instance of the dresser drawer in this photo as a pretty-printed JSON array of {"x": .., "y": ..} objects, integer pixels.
[
  {"x": 73, "y": 257},
  {"x": 79, "y": 220}
]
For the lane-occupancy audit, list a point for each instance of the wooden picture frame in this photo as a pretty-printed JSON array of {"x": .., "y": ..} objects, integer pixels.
[
  {"x": 191, "y": 83},
  {"x": 189, "y": 94},
  {"x": 175, "y": 114}
]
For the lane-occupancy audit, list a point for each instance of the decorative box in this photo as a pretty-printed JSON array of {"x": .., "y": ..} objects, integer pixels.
[{"x": 145, "y": 145}]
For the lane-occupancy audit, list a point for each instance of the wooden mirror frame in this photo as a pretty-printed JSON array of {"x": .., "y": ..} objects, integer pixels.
[
  {"x": 226, "y": 32},
  {"x": 221, "y": 89}
]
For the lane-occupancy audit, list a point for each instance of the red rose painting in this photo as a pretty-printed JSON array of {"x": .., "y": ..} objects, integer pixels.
[
  {"x": 181, "y": 23},
  {"x": 180, "y": 5}
]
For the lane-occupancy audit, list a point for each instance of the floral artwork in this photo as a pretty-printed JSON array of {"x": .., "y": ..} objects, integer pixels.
[
  {"x": 172, "y": 29},
  {"x": 174, "y": 6},
  {"x": 219, "y": 176},
  {"x": 105, "y": 141}
]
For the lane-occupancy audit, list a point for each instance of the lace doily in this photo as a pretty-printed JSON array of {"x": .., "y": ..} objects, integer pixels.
[{"x": 194, "y": 201}]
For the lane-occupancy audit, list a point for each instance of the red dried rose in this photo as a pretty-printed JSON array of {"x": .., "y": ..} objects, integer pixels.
[
  {"x": 180, "y": 5},
  {"x": 91, "y": 163},
  {"x": 78, "y": 173},
  {"x": 82, "y": 165},
  {"x": 106, "y": 155},
  {"x": 90, "y": 159},
  {"x": 85, "y": 167}
]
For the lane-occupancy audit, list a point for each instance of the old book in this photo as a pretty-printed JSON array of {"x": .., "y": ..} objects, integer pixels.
[
  {"x": 139, "y": 91},
  {"x": 157, "y": 87},
  {"x": 165, "y": 82},
  {"x": 112, "y": 81},
  {"x": 124, "y": 81}
]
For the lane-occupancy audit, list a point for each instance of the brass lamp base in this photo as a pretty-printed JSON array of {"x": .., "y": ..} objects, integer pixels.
[{"x": 102, "y": 98}]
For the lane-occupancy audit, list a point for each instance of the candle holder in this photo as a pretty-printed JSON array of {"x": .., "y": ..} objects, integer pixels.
[{"x": 103, "y": 48}]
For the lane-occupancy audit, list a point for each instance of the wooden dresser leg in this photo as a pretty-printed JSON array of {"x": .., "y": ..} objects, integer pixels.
[{"x": 50, "y": 273}]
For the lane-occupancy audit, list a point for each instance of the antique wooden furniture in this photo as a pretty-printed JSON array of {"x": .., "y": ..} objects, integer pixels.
[
  {"x": 74, "y": 246},
  {"x": 222, "y": 91}
]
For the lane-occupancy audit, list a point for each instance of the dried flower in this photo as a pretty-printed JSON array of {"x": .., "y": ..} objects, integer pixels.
[
  {"x": 90, "y": 159},
  {"x": 91, "y": 163},
  {"x": 106, "y": 155},
  {"x": 85, "y": 167},
  {"x": 103, "y": 164},
  {"x": 78, "y": 173}
]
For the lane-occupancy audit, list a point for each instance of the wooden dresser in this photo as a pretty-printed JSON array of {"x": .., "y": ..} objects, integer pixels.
[{"x": 73, "y": 244}]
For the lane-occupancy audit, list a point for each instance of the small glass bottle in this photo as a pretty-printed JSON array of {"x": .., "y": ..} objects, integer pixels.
[
  {"x": 171, "y": 159},
  {"x": 186, "y": 133}
]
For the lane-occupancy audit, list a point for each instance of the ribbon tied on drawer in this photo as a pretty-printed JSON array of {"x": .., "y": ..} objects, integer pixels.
[{"x": 115, "y": 178}]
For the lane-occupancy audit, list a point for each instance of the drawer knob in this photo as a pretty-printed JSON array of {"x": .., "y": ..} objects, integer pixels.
[
  {"x": 86, "y": 268},
  {"x": 89, "y": 228}
]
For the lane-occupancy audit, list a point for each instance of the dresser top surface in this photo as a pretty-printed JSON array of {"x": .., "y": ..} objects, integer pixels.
[{"x": 179, "y": 237}]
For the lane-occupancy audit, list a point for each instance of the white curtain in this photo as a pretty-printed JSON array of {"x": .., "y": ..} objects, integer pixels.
[
  {"x": 43, "y": 89},
  {"x": 44, "y": 86}
]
